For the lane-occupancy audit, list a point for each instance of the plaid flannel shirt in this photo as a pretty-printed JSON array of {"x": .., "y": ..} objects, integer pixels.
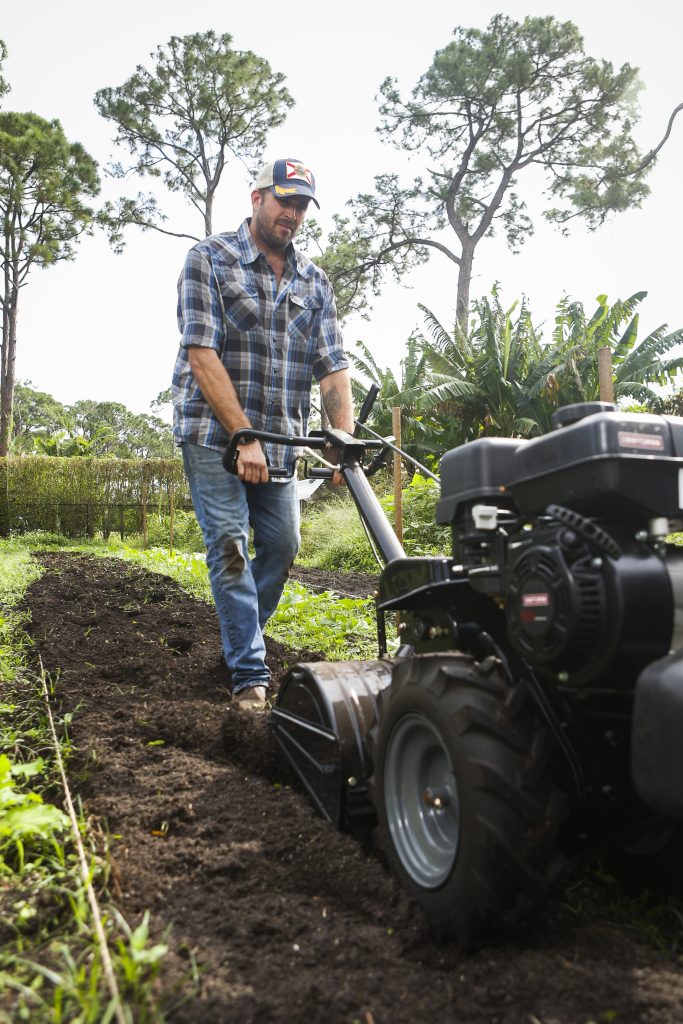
[{"x": 272, "y": 340}]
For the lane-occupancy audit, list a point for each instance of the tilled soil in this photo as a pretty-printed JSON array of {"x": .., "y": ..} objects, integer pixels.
[{"x": 287, "y": 920}]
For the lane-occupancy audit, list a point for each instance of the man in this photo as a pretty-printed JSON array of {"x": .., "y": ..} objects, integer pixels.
[{"x": 258, "y": 322}]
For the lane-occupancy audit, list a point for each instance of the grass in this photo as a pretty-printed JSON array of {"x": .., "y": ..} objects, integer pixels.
[
  {"x": 52, "y": 964},
  {"x": 333, "y": 536},
  {"x": 338, "y": 628}
]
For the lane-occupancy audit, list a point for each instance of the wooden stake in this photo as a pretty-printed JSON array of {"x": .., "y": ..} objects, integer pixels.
[
  {"x": 144, "y": 511},
  {"x": 398, "y": 490},
  {"x": 170, "y": 515},
  {"x": 605, "y": 375}
]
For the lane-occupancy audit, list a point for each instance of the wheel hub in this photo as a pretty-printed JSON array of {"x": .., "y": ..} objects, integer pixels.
[{"x": 421, "y": 799}]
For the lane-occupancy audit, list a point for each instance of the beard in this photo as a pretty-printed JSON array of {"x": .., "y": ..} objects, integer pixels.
[{"x": 265, "y": 230}]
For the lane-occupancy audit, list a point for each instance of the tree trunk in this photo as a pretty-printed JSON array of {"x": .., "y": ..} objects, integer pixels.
[
  {"x": 5, "y": 523},
  {"x": 462, "y": 309},
  {"x": 9, "y": 352}
]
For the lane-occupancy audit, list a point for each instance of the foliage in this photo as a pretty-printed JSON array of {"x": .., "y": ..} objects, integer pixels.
[
  {"x": 333, "y": 536},
  {"x": 421, "y": 535},
  {"x": 25, "y": 821},
  {"x": 84, "y": 496},
  {"x": 516, "y": 99},
  {"x": 593, "y": 891},
  {"x": 46, "y": 184},
  {"x": 164, "y": 398},
  {"x": 502, "y": 378},
  {"x": 416, "y": 434},
  {"x": 672, "y": 405},
  {"x": 483, "y": 381},
  {"x": 4, "y": 84},
  {"x": 42, "y": 425},
  {"x": 638, "y": 365},
  {"x": 186, "y": 534},
  {"x": 110, "y": 429},
  {"x": 35, "y": 415},
  {"x": 338, "y": 627},
  {"x": 200, "y": 105}
]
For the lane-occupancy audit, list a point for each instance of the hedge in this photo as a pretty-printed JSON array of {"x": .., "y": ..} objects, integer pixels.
[{"x": 82, "y": 497}]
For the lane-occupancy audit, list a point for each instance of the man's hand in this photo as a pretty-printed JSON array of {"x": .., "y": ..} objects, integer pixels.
[
  {"x": 338, "y": 402},
  {"x": 332, "y": 455},
  {"x": 251, "y": 463}
]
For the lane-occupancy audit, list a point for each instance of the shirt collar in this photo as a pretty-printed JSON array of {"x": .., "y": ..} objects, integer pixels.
[{"x": 249, "y": 252}]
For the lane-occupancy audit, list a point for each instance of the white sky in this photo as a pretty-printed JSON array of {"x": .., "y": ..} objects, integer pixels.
[{"x": 104, "y": 326}]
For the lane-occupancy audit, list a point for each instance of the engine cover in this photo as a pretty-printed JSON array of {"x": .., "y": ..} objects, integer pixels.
[{"x": 572, "y": 610}]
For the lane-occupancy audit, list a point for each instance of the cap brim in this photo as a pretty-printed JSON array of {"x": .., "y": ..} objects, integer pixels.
[{"x": 287, "y": 191}]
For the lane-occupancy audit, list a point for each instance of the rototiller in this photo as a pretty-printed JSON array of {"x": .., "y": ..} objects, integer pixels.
[{"x": 535, "y": 705}]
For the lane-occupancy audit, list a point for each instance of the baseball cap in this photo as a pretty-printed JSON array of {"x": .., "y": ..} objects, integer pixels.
[{"x": 287, "y": 178}]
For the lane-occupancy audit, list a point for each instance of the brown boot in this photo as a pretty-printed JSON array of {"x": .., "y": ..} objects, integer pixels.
[{"x": 252, "y": 698}]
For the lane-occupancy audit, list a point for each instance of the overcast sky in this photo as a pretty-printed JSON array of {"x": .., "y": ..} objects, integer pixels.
[{"x": 104, "y": 327}]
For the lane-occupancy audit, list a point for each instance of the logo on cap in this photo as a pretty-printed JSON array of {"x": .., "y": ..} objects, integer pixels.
[{"x": 297, "y": 170}]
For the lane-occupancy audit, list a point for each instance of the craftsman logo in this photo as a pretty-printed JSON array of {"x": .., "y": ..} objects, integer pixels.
[
  {"x": 299, "y": 171},
  {"x": 646, "y": 442},
  {"x": 535, "y": 600}
]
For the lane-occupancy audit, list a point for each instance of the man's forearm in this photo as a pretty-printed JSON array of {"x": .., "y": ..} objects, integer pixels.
[
  {"x": 219, "y": 392},
  {"x": 338, "y": 401},
  {"x": 217, "y": 388}
]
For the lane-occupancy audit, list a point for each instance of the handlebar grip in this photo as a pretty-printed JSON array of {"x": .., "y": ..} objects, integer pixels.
[
  {"x": 366, "y": 407},
  {"x": 378, "y": 462},
  {"x": 321, "y": 473},
  {"x": 231, "y": 455}
]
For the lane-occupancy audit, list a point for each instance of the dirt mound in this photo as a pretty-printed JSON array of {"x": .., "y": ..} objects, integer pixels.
[{"x": 287, "y": 919}]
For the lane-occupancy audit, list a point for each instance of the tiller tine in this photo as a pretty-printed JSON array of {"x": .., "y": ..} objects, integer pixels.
[{"x": 321, "y": 716}]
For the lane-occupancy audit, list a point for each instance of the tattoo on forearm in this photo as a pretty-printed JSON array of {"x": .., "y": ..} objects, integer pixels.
[{"x": 333, "y": 405}]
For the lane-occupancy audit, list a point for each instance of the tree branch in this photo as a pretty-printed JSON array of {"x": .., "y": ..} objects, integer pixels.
[{"x": 653, "y": 152}]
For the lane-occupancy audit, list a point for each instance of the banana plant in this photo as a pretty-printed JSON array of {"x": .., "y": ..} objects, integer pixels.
[
  {"x": 417, "y": 431},
  {"x": 501, "y": 377},
  {"x": 480, "y": 379},
  {"x": 639, "y": 367}
]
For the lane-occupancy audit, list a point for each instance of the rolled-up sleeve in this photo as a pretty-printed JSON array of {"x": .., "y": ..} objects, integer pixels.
[
  {"x": 200, "y": 310},
  {"x": 330, "y": 355}
]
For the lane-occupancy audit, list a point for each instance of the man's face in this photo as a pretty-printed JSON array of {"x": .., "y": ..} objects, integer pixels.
[{"x": 275, "y": 222}]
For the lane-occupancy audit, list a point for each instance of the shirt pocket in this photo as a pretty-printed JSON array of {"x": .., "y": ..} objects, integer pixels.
[
  {"x": 304, "y": 311},
  {"x": 242, "y": 306}
]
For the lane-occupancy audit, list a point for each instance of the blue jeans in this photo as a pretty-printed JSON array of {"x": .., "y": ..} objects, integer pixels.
[{"x": 246, "y": 591}]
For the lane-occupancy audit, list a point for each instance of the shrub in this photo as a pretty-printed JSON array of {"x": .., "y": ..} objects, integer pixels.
[
  {"x": 186, "y": 533},
  {"x": 333, "y": 536}
]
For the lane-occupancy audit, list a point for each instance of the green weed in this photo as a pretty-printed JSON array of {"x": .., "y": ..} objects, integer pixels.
[
  {"x": 187, "y": 569},
  {"x": 51, "y": 967},
  {"x": 593, "y": 891},
  {"x": 26, "y": 823},
  {"x": 339, "y": 628}
]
